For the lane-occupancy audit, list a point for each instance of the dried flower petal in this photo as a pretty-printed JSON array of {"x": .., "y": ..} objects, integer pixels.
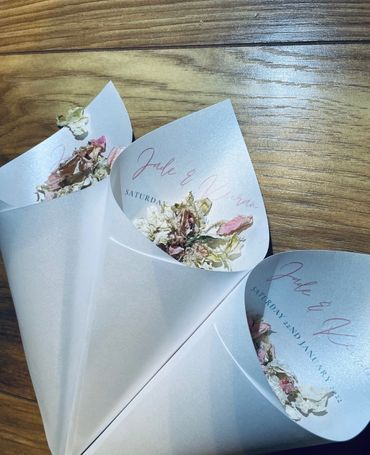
[
  {"x": 76, "y": 121},
  {"x": 174, "y": 251},
  {"x": 86, "y": 166},
  {"x": 236, "y": 225},
  {"x": 100, "y": 142},
  {"x": 204, "y": 206},
  {"x": 181, "y": 230},
  {"x": 287, "y": 385},
  {"x": 298, "y": 400},
  {"x": 259, "y": 328}
]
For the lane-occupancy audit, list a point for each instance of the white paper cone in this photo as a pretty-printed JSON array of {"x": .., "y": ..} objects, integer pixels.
[
  {"x": 45, "y": 256},
  {"x": 101, "y": 308},
  {"x": 20, "y": 177},
  {"x": 318, "y": 305},
  {"x": 48, "y": 250},
  {"x": 212, "y": 396},
  {"x": 145, "y": 304},
  {"x": 203, "y": 153}
]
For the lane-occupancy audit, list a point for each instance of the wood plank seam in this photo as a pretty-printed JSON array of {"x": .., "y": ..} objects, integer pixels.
[{"x": 348, "y": 42}]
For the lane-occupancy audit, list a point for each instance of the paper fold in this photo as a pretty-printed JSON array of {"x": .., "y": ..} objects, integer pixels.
[
  {"x": 200, "y": 402},
  {"x": 212, "y": 396}
]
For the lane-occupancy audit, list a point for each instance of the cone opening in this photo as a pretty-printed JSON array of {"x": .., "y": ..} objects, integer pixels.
[
  {"x": 63, "y": 164},
  {"x": 200, "y": 206},
  {"x": 314, "y": 366}
]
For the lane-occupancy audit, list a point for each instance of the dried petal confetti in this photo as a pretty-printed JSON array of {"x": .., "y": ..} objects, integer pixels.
[
  {"x": 298, "y": 400},
  {"x": 181, "y": 230},
  {"x": 76, "y": 120},
  {"x": 86, "y": 166},
  {"x": 237, "y": 224}
]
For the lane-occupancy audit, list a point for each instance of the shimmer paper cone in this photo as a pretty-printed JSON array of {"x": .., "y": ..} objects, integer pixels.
[
  {"x": 49, "y": 251},
  {"x": 212, "y": 397},
  {"x": 146, "y": 304},
  {"x": 101, "y": 308}
]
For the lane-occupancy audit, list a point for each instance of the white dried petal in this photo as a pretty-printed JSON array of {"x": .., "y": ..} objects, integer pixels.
[
  {"x": 293, "y": 413},
  {"x": 161, "y": 237},
  {"x": 76, "y": 120}
]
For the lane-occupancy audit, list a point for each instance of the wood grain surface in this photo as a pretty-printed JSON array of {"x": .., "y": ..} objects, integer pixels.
[
  {"x": 304, "y": 110},
  {"x": 20, "y": 427},
  {"x": 29, "y": 25}
]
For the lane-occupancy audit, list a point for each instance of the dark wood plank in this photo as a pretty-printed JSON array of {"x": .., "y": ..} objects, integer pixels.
[
  {"x": 21, "y": 431},
  {"x": 28, "y": 25}
]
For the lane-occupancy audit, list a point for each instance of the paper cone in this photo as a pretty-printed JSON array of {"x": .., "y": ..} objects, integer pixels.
[
  {"x": 46, "y": 249},
  {"x": 212, "y": 397},
  {"x": 101, "y": 308},
  {"x": 145, "y": 304}
]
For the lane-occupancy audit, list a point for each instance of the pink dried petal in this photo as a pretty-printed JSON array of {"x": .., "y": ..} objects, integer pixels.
[
  {"x": 49, "y": 195},
  {"x": 100, "y": 142},
  {"x": 116, "y": 151},
  {"x": 238, "y": 224},
  {"x": 54, "y": 180},
  {"x": 287, "y": 385},
  {"x": 258, "y": 328},
  {"x": 173, "y": 251},
  {"x": 85, "y": 166},
  {"x": 69, "y": 166}
]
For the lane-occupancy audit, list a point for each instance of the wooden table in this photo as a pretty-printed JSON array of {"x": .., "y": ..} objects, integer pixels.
[{"x": 297, "y": 72}]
